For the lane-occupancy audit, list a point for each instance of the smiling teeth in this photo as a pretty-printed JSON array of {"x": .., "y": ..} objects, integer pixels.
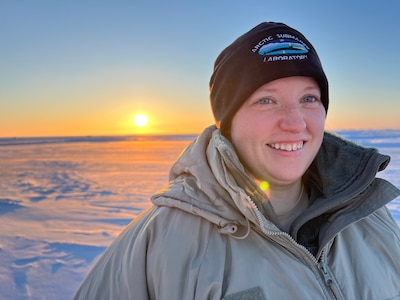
[{"x": 287, "y": 147}]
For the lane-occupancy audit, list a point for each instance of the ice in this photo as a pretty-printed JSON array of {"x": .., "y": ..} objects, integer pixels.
[{"x": 63, "y": 200}]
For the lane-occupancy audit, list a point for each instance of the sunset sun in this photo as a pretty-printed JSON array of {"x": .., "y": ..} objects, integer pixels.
[{"x": 140, "y": 120}]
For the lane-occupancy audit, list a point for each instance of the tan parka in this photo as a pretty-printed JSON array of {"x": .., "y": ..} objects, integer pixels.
[{"x": 209, "y": 234}]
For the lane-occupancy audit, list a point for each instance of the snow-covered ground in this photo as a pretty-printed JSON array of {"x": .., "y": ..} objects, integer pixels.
[{"x": 63, "y": 200}]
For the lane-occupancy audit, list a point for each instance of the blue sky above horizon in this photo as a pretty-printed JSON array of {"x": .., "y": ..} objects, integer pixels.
[{"x": 87, "y": 67}]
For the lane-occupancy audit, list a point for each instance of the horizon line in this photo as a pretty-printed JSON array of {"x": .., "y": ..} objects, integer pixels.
[{"x": 161, "y": 134}]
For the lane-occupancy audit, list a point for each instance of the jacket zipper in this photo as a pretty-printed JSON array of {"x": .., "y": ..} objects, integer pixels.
[
  {"x": 319, "y": 264},
  {"x": 329, "y": 281}
]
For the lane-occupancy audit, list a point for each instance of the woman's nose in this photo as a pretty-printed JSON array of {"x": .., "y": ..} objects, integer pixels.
[{"x": 292, "y": 119}]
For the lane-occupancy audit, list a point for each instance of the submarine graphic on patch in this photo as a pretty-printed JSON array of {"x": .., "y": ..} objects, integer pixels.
[{"x": 282, "y": 47}]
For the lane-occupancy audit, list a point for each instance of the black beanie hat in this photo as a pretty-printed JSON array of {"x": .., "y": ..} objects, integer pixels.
[{"x": 267, "y": 52}]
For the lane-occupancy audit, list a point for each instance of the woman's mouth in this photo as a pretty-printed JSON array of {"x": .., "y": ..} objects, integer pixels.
[{"x": 287, "y": 147}]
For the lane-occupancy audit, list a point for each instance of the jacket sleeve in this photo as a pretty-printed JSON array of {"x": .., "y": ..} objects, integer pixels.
[
  {"x": 388, "y": 218},
  {"x": 158, "y": 256},
  {"x": 120, "y": 273}
]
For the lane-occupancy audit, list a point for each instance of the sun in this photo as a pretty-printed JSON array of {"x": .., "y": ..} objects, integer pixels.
[{"x": 141, "y": 120}]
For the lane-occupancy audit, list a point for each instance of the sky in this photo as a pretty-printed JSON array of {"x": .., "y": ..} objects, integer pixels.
[{"x": 77, "y": 68}]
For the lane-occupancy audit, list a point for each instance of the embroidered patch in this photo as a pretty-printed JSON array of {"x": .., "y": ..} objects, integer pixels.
[
  {"x": 250, "y": 294},
  {"x": 282, "y": 46}
]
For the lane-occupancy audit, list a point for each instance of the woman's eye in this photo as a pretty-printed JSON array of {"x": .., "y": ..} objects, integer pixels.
[
  {"x": 264, "y": 101},
  {"x": 309, "y": 99}
]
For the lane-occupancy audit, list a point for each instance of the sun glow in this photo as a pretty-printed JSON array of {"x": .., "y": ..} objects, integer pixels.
[{"x": 141, "y": 120}]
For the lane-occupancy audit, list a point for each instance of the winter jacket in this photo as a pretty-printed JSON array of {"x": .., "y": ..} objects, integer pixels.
[{"x": 207, "y": 236}]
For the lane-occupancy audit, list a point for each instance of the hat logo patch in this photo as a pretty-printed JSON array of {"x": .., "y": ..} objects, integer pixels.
[
  {"x": 282, "y": 47},
  {"x": 285, "y": 47}
]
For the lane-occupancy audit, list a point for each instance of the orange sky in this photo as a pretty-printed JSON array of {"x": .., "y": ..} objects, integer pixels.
[{"x": 120, "y": 122}]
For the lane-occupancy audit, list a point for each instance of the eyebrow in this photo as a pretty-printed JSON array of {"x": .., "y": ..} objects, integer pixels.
[
  {"x": 312, "y": 88},
  {"x": 308, "y": 88}
]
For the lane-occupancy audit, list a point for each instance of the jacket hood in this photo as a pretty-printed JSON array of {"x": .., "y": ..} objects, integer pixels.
[
  {"x": 209, "y": 180},
  {"x": 202, "y": 183}
]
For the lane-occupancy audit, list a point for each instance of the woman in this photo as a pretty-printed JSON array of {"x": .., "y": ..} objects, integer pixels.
[{"x": 264, "y": 204}]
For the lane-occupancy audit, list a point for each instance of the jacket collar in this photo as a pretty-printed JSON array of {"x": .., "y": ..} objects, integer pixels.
[{"x": 209, "y": 180}]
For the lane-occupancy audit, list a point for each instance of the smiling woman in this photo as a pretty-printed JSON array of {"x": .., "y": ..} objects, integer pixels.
[{"x": 268, "y": 184}]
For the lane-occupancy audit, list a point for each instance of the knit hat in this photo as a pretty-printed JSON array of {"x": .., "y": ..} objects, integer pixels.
[{"x": 267, "y": 52}]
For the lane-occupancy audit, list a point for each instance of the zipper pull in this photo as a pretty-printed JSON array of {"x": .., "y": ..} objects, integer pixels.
[{"x": 327, "y": 277}]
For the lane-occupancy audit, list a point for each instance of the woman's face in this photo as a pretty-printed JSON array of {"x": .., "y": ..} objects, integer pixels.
[{"x": 278, "y": 131}]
